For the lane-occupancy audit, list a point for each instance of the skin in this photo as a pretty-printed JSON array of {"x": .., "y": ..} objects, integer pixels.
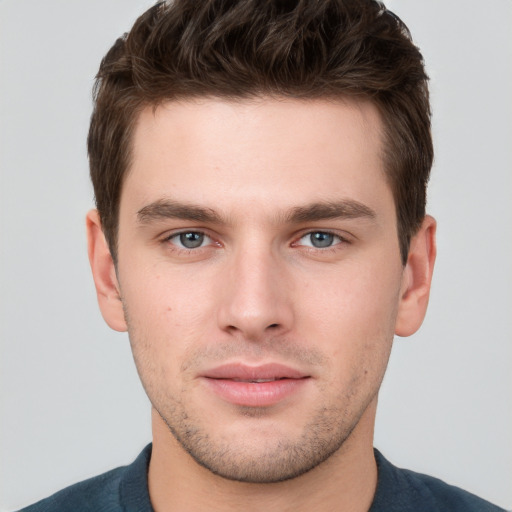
[{"x": 241, "y": 178}]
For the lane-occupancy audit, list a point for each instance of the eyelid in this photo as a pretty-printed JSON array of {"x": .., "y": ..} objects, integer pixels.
[
  {"x": 168, "y": 237},
  {"x": 343, "y": 238}
]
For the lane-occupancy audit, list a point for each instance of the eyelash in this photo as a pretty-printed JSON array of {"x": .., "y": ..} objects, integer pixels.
[
  {"x": 341, "y": 240},
  {"x": 334, "y": 247},
  {"x": 169, "y": 238}
]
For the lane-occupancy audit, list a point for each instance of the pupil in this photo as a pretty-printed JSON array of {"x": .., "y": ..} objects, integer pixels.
[
  {"x": 322, "y": 239},
  {"x": 191, "y": 240}
]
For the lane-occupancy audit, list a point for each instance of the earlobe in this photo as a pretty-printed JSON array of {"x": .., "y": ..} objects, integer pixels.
[
  {"x": 417, "y": 278},
  {"x": 104, "y": 274}
]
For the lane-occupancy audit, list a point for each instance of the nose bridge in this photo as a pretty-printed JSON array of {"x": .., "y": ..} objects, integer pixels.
[{"x": 255, "y": 298}]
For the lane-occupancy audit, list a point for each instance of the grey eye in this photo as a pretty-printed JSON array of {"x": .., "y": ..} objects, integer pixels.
[
  {"x": 191, "y": 240},
  {"x": 319, "y": 239}
]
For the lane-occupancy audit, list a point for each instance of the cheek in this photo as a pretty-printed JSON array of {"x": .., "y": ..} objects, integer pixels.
[
  {"x": 167, "y": 313},
  {"x": 352, "y": 312},
  {"x": 353, "y": 295},
  {"x": 162, "y": 296}
]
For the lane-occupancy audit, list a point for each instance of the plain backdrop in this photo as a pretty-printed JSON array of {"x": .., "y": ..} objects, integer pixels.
[{"x": 71, "y": 402}]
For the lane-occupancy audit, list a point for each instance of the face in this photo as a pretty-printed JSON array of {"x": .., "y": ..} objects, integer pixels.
[{"x": 260, "y": 277}]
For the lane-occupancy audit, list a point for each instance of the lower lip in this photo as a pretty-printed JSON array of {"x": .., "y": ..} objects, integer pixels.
[{"x": 255, "y": 394}]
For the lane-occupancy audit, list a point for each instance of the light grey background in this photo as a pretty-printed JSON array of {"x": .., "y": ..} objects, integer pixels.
[{"x": 71, "y": 402}]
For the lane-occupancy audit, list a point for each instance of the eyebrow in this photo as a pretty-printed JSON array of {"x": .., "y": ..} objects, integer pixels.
[
  {"x": 344, "y": 209},
  {"x": 169, "y": 209}
]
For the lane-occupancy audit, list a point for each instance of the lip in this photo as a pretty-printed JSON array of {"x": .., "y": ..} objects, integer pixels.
[{"x": 254, "y": 386}]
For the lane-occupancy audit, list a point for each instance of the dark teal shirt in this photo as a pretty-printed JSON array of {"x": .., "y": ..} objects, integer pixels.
[{"x": 125, "y": 489}]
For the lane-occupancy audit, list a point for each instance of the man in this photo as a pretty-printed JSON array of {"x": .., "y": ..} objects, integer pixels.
[{"x": 260, "y": 171}]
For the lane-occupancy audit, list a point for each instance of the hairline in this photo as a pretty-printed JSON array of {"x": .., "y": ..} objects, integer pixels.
[{"x": 349, "y": 97}]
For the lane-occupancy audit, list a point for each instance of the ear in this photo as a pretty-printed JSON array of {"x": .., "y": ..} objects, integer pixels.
[
  {"x": 104, "y": 274},
  {"x": 417, "y": 278}
]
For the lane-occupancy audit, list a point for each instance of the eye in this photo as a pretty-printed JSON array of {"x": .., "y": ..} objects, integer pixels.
[
  {"x": 190, "y": 239},
  {"x": 320, "y": 239}
]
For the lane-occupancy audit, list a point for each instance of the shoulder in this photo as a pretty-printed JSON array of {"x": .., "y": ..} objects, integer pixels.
[
  {"x": 121, "y": 489},
  {"x": 98, "y": 493},
  {"x": 400, "y": 490},
  {"x": 451, "y": 498}
]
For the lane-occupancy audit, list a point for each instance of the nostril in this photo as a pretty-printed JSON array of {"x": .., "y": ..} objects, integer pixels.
[{"x": 273, "y": 326}]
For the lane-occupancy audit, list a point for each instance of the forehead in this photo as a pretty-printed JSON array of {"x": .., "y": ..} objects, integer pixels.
[{"x": 284, "y": 151}]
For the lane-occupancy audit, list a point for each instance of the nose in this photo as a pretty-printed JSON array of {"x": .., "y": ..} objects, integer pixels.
[{"x": 256, "y": 298}]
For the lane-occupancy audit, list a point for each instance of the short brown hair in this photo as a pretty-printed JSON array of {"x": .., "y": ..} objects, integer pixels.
[{"x": 246, "y": 48}]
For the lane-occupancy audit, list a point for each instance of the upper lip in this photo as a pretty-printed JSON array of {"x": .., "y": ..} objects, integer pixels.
[{"x": 240, "y": 371}]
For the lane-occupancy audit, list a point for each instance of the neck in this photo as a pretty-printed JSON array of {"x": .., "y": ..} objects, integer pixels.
[{"x": 345, "y": 481}]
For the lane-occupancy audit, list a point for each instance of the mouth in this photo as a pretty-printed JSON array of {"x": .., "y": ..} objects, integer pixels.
[
  {"x": 255, "y": 386},
  {"x": 256, "y": 381}
]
